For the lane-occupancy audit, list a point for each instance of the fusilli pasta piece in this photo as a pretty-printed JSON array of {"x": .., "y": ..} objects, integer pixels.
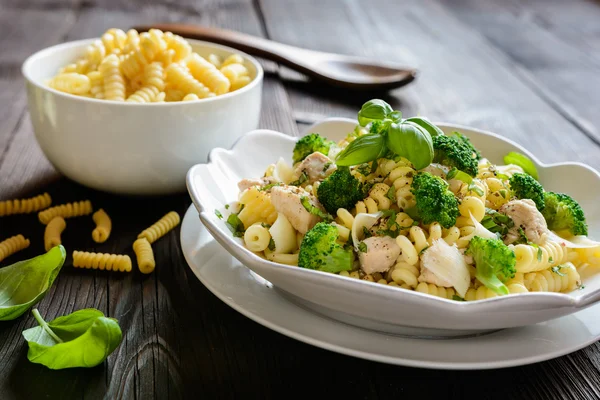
[
  {"x": 190, "y": 97},
  {"x": 102, "y": 261},
  {"x": 233, "y": 72},
  {"x": 430, "y": 288},
  {"x": 95, "y": 53},
  {"x": 179, "y": 45},
  {"x": 68, "y": 210},
  {"x": 538, "y": 258},
  {"x": 53, "y": 231},
  {"x": 114, "y": 84},
  {"x": 145, "y": 255},
  {"x": 481, "y": 293},
  {"x": 12, "y": 245},
  {"x": 160, "y": 227},
  {"x": 103, "y": 226},
  {"x": 257, "y": 207},
  {"x": 208, "y": 74},
  {"x": 96, "y": 84},
  {"x": 71, "y": 82},
  {"x": 25, "y": 206},
  {"x": 233, "y": 59},
  {"x": 257, "y": 238},
  {"x": 144, "y": 95},
  {"x": 154, "y": 75},
  {"x": 558, "y": 279},
  {"x": 180, "y": 76}
]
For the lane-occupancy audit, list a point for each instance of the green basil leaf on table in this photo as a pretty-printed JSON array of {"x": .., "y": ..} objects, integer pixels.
[
  {"x": 375, "y": 109},
  {"x": 427, "y": 125},
  {"x": 522, "y": 161},
  {"x": 412, "y": 142},
  {"x": 361, "y": 150},
  {"x": 84, "y": 338},
  {"x": 25, "y": 283}
]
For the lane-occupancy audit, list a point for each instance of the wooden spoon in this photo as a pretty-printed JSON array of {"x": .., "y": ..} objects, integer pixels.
[{"x": 334, "y": 69}]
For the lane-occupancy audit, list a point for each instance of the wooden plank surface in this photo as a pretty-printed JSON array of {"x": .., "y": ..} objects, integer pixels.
[{"x": 180, "y": 341}]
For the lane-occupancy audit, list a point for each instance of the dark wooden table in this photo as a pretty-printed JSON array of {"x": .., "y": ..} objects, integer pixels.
[{"x": 528, "y": 71}]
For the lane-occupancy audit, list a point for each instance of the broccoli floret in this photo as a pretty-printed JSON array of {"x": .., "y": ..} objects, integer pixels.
[
  {"x": 564, "y": 213},
  {"x": 524, "y": 186},
  {"x": 309, "y": 144},
  {"x": 319, "y": 250},
  {"x": 494, "y": 263},
  {"x": 340, "y": 190},
  {"x": 435, "y": 203},
  {"x": 467, "y": 141},
  {"x": 454, "y": 152}
]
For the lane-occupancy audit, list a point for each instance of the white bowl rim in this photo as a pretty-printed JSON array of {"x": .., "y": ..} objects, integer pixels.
[
  {"x": 26, "y": 66},
  {"x": 561, "y": 299}
]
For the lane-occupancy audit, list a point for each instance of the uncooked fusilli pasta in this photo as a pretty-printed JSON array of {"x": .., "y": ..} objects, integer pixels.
[
  {"x": 103, "y": 226},
  {"x": 160, "y": 227},
  {"x": 25, "y": 206},
  {"x": 102, "y": 261},
  {"x": 145, "y": 255},
  {"x": 69, "y": 210},
  {"x": 53, "y": 231},
  {"x": 12, "y": 245}
]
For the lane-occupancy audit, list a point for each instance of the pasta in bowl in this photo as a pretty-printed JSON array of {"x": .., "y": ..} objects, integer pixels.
[
  {"x": 411, "y": 275},
  {"x": 131, "y": 119}
]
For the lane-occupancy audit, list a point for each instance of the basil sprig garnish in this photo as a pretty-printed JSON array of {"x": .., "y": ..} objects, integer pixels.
[{"x": 409, "y": 138}]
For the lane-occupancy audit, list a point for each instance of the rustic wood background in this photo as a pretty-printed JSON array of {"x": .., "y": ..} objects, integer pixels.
[{"x": 527, "y": 70}]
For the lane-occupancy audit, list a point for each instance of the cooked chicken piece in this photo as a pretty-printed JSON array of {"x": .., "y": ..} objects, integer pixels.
[
  {"x": 436, "y": 169},
  {"x": 444, "y": 265},
  {"x": 287, "y": 200},
  {"x": 527, "y": 217},
  {"x": 248, "y": 183},
  {"x": 381, "y": 254},
  {"x": 316, "y": 166}
]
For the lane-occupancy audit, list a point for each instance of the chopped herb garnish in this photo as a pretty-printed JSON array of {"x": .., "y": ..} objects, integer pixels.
[
  {"x": 457, "y": 298},
  {"x": 218, "y": 214},
  {"x": 271, "y": 244},
  {"x": 557, "y": 269},
  {"x": 474, "y": 188},
  {"x": 269, "y": 186},
  {"x": 423, "y": 250},
  {"x": 582, "y": 287},
  {"x": 303, "y": 178},
  {"x": 456, "y": 173},
  {"x": 374, "y": 166},
  {"x": 366, "y": 232},
  {"x": 315, "y": 210},
  {"x": 550, "y": 259},
  {"x": 235, "y": 225},
  {"x": 503, "y": 193},
  {"x": 227, "y": 206},
  {"x": 265, "y": 225},
  {"x": 326, "y": 166},
  {"x": 391, "y": 194},
  {"x": 362, "y": 247}
]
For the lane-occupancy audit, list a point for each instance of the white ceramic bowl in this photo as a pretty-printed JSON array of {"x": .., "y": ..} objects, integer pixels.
[
  {"x": 371, "y": 305},
  {"x": 134, "y": 148}
]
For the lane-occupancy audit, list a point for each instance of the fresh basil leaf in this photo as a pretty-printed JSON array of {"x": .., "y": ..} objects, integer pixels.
[
  {"x": 395, "y": 116},
  {"x": 522, "y": 161},
  {"x": 235, "y": 225},
  {"x": 427, "y": 125},
  {"x": 375, "y": 109},
  {"x": 364, "y": 149},
  {"x": 84, "y": 338},
  {"x": 411, "y": 142},
  {"x": 24, "y": 284},
  {"x": 315, "y": 210}
]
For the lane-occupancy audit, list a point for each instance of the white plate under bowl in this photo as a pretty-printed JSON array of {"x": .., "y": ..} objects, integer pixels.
[
  {"x": 368, "y": 304},
  {"x": 257, "y": 299}
]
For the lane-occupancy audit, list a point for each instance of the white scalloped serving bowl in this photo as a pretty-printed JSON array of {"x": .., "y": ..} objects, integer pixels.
[{"x": 371, "y": 305}]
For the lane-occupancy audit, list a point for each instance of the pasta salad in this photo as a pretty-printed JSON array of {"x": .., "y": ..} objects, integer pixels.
[{"x": 399, "y": 202}]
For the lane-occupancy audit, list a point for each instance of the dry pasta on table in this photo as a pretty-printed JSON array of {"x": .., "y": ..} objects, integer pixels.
[
  {"x": 424, "y": 212},
  {"x": 149, "y": 67}
]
